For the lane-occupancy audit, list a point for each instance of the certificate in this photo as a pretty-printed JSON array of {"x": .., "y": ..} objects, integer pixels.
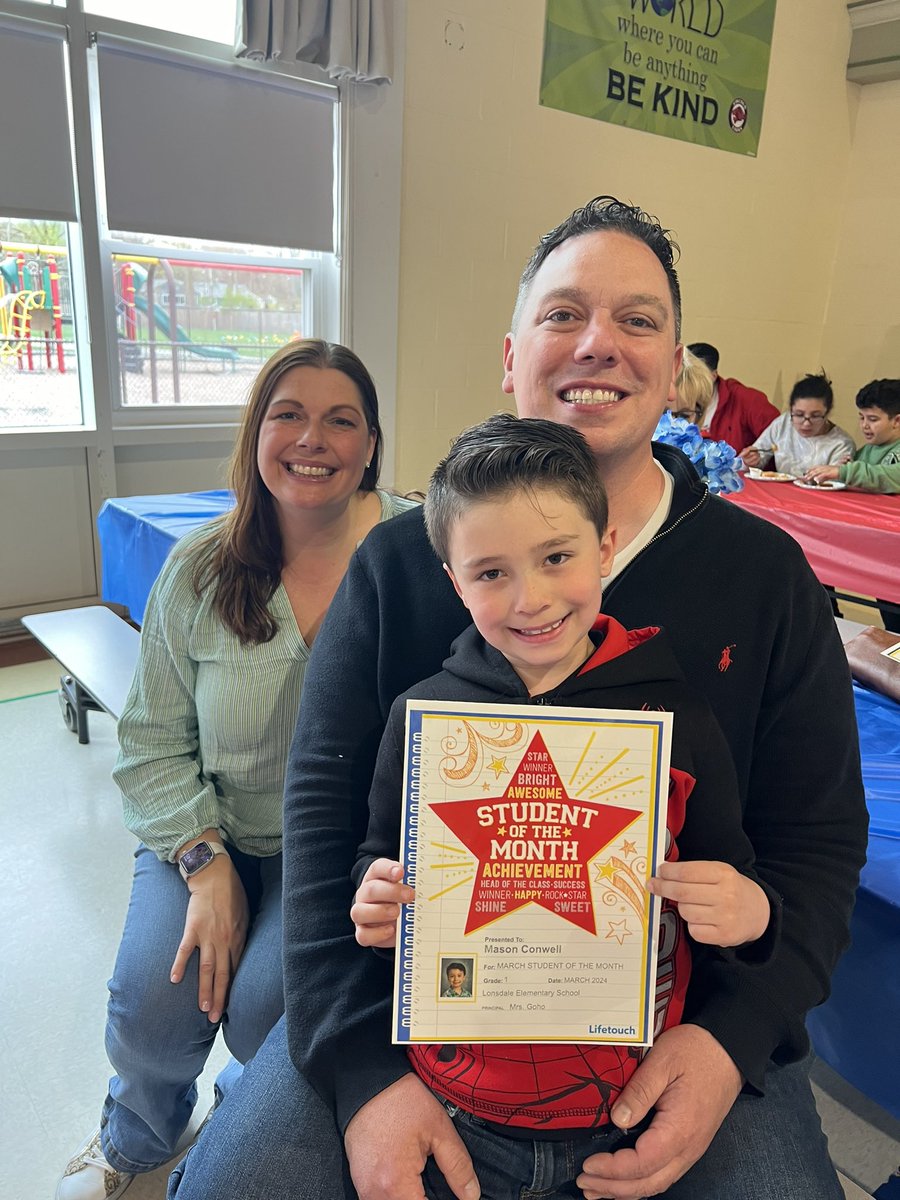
[{"x": 529, "y": 835}]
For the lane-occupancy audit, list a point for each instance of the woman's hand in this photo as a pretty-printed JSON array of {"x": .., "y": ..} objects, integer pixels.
[
  {"x": 216, "y": 925},
  {"x": 751, "y": 457}
]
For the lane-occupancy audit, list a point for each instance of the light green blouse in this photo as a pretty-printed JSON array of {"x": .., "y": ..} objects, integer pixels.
[{"x": 207, "y": 725}]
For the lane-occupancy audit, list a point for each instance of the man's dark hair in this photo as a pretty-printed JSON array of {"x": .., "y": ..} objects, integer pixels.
[
  {"x": 507, "y": 454},
  {"x": 606, "y": 214},
  {"x": 881, "y": 393},
  {"x": 706, "y": 353},
  {"x": 814, "y": 387}
]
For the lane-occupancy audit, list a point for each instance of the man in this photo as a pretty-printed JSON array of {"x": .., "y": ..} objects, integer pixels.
[
  {"x": 594, "y": 344},
  {"x": 737, "y": 414}
]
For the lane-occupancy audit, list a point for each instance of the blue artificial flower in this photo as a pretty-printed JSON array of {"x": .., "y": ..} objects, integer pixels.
[{"x": 716, "y": 463}]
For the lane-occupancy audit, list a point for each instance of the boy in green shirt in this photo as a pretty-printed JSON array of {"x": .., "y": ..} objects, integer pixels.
[{"x": 875, "y": 467}]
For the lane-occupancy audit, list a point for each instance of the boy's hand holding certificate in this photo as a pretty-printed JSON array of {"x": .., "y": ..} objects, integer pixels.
[{"x": 529, "y": 835}]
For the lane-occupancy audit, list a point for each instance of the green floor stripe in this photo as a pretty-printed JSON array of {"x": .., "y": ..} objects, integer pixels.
[{"x": 30, "y": 696}]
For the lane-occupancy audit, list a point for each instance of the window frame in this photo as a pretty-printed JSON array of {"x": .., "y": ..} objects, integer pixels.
[
  {"x": 129, "y": 416},
  {"x": 96, "y": 338}
]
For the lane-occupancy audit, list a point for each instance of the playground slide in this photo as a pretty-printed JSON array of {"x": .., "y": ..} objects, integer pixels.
[{"x": 162, "y": 320}]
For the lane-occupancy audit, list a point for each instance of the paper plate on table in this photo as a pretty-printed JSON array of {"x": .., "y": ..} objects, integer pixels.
[
  {"x": 829, "y": 485},
  {"x": 770, "y": 476}
]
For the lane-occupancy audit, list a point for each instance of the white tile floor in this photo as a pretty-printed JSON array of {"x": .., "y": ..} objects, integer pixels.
[{"x": 65, "y": 859}]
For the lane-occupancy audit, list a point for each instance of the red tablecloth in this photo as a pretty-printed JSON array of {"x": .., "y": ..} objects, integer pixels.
[{"x": 850, "y": 539}]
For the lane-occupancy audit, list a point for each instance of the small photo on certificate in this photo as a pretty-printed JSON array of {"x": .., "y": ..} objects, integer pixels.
[{"x": 456, "y": 980}]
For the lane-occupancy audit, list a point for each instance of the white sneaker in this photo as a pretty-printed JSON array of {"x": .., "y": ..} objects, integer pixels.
[{"x": 88, "y": 1176}]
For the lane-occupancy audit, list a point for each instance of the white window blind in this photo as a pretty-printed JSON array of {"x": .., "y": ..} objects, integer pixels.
[
  {"x": 195, "y": 150},
  {"x": 36, "y": 174}
]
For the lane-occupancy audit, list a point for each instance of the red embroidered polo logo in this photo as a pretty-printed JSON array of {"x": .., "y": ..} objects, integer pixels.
[{"x": 726, "y": 660}]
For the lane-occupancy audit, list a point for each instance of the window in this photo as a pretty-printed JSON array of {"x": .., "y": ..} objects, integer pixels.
[
  {"x": 209, "y": 19},
  {"x": 39, "y": 377},
  {"x": 38, "y": 359},
  {"x": 194, "y": 322},
  {"x": 198, "y": 310},
  {"x": 215, "y": 244}
]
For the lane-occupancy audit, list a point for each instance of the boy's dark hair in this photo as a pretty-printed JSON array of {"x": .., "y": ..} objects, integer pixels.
[
  {"x": 507, "y": 454},
  {"x": 813, "y": 387},
  {"x": 706, "y": 353},
  {"x": 454, "y": 966},
  {"x": 880, "y": 393},
  {"x": 606, "y": 214}
]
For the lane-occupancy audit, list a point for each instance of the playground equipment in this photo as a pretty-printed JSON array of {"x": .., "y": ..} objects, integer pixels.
[
  {"x": 133, "y": 280},
  {"x": 35, "y": 313},
  {"x": 25, "y": 285}
]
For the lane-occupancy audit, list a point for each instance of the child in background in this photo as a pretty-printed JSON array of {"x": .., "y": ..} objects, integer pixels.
[
  {"x": 518, "y": 515},
  {"x": 804, "y": 436},
  {"x": 875, "y": 467},
  {"x": 694, "y": 387}
]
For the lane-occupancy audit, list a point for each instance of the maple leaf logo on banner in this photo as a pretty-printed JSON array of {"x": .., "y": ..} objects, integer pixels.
[{"x": 533, "y": 843}]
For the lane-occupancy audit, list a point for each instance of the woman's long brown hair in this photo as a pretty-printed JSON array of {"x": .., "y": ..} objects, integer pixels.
[{"x": 242, "y": 555}]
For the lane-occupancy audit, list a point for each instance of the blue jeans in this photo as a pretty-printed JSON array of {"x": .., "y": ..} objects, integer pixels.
[
  {"x": 504, "y": 1164},
  {"x": 157, "y": 1039},
  {"x": 273, "y": 1138},
  {"x": 768, "y": 1148}
]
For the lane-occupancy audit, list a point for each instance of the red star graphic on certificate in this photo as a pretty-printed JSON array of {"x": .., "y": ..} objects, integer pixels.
[{"x": 533, "y": 843}]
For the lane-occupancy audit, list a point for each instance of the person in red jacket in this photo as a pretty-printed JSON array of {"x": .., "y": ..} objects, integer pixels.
[{"x": 737, "y": 414}]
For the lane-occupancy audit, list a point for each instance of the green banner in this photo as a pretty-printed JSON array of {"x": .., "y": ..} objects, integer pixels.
[{"x": 688, "y": 69}]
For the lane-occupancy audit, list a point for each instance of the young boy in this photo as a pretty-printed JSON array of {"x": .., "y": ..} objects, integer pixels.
[
  {"x": 456, "y": 988},
  {"x": 517, "y": 513},
  {"x": 875, "y": 467}
]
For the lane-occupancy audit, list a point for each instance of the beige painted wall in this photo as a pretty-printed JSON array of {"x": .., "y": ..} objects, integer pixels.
[
  {"x": 486, "y": 170},
  {"x": 862, "y": 327}
]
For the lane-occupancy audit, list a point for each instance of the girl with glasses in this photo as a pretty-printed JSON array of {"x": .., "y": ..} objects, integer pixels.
[{"x": 804, "y": 436}]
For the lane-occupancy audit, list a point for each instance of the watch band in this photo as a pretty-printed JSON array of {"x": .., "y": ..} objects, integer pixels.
[{"x": 199, "y": 856}]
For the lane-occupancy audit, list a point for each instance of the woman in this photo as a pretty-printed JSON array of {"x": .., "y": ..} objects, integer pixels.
[
  {"x": 803, "y": 437},
  {"x": 715, "y": 462},
  {"x": 203, "y": 742},
  {"x": 693, "y": 390}
]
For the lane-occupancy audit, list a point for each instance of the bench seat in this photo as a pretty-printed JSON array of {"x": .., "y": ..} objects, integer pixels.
[{"x": 98, "y": 652}]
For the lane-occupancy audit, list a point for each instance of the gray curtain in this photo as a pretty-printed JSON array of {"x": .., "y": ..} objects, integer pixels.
[{"x": 350, "y": 39}]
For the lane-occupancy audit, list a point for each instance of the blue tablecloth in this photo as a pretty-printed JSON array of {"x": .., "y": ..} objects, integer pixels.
[
  {"x": 136, "y": 534},
  {"x": 857, "y": 1031}
]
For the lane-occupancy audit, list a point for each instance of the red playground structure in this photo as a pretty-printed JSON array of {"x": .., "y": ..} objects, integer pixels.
[{"x": 25, "y": 285}]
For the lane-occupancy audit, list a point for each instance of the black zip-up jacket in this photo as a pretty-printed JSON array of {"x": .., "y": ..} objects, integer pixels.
[{"x": 750, "y": 627}]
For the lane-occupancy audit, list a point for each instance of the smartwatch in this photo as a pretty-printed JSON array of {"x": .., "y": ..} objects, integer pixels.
[{"x": 198, "y": 857}]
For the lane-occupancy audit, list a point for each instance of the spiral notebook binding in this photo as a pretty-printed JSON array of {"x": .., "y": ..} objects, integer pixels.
[{"x": 408, "y": 917}]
